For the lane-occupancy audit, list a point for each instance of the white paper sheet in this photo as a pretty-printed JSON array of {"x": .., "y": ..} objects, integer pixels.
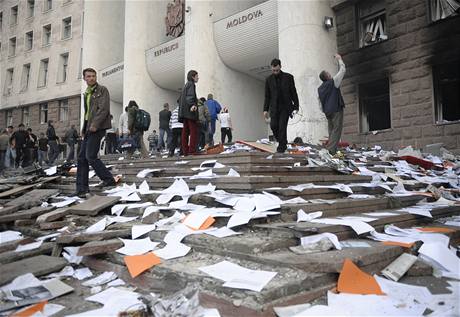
[
  {"x": 359, "y": 227},
  {"x": 296, "y": 200},
  {"x": 51, "y": 171},
  {"x": 223, "y": 232},
  {"x": 245, "y": 204},
  {"x": 97, "y": 227},
  {"x": 136, "y": 247},
  {"x": 441, "y": 254},
  {"x": 199, "y": 189},
  {"x": 233, "y": 173},
  {"x": 240, "y": 218},
  {"x": 70, "y": 254},
  {"x": 302, "y": 216},
  {"x": 119, "y": 219},
  {"x": 381, "y": 214},
  {"x": 236, "y": 276},
  {"x": 147, "y": 171},
  {"x": 140, "y": 230},
  {"x": 172, "y": 251},
  {"x": 29, "y": 246},
  {"x": 205, "y": 174},
  {"x": 144, "y": 188},
  {"x": 9, "y": 235},
  {"x": 358, "y": 218},
  {"x": 83, "y": 273},
  {"x": 196, "y": 219},
  {"x": 317, "y": 237},
  {"x": 101, "y": 279},
  {"x": 417, "y": 211},
  {"x": 179, "y": 187},
  {"x": 65, "y": 202},
  {"x": 150, "y": 210}
]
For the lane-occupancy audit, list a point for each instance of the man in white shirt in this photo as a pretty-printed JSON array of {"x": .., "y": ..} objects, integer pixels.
[
  {"x": 225, "y": 125},
  {"x": 123, "y": 124}
]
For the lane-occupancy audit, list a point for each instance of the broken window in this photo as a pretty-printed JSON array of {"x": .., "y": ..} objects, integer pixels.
[
  {"x": 446, "y": 79},
  {"x": 372, "y": 22},
  {"x": 441, "y": 9},
  {"x": 374, "y": 105}
]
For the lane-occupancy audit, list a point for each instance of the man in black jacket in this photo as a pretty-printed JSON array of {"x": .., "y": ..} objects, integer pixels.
[
  {"x": 281, "y": 101},
  {"x": 332, "y": 103},
  {"x": 19, "y": 138}
]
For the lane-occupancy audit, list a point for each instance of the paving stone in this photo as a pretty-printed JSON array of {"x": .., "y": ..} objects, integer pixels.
[
  {"x": 93, "y": 205},
  {"x": 37, "y": 265}
]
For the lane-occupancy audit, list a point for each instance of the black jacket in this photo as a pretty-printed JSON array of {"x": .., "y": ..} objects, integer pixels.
[
  {"x": 286, "y": 100},
  {"x": 187, "y": 100},
  {"x": 164, "y": 117}
]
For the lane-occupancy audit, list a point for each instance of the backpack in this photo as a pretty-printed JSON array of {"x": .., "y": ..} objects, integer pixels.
[{"x": 142, "y": 120}]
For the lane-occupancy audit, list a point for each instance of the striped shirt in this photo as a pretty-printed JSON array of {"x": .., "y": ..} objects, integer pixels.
[{"x": 174, "y": 122}]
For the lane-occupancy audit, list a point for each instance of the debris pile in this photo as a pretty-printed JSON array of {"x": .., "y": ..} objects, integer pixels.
[{"x": 241, "y": 233}]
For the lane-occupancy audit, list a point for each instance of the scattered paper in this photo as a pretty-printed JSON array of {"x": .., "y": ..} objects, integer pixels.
[
  {"x": 51, "y": 171},
  {"x": 136, "y": 247},
  {"x": 236, "y": 276},
  {"x": 27, "y": 247},
  {"x": 137, "y": 264},
  {"x": 239, "y": 218},
  {"x": 70, "y": 254},
  {"x": 317, "y": 237},
  {"x": 140, "y": 230},
  {"x": 101, "y": 279},
  {"x": 97, "y": 227},
  {"x": 302, "y": 216},
  {"x": 354, "y": 281},
  {"x": 359, "y": 227},
  {"x": 223, "y": 232},
  {"x": 147, "y": 171},
  {"x": 7, "y": 236},
  {"x": 233, "y": 173},
  {"x": 172, "y": 251}
]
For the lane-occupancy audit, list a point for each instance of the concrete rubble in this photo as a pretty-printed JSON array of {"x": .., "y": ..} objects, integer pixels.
[{"x": 291, "y": 220}]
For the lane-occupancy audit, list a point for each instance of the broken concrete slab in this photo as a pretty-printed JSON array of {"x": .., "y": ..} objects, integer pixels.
[
  {"x": 53, "y": 215},
  {"x": 37, "y": 265},
  {"x": 100, "y": 247},
  {"x": 11, "y": 256},
  {"x": 87, "y": 237},
  {"x": 93, "y": 205},
  {"x": 26, "y": 214}
]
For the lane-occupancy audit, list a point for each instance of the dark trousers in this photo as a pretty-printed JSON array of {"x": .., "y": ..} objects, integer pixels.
[
  {"x": 212, "y": 131},
  {"x": 20, "y": 155},
  {"x": 278, "y": 124},
  {"x": 53, "y": 152},
  {"x": 88, "y": 155},
  {"x": 203, "y": 129},
  {"x": 226, "y": 132},
  {"x": 2, "y": 159},
  {"x": 175, "y": 140},
  {"x": 71, "y": 154},
  {"x": 334, "y": 126},
  {"x": 190, "y": 129},
  {"x": 111, "y": 143}
]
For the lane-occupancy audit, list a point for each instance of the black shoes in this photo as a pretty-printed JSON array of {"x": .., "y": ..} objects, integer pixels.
[
  {"x": 82, "y": 194},
  {"x": 106, "y": 184}
]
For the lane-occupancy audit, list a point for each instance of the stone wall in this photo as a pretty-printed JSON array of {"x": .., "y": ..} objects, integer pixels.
[{"x": 414, "y": 45}]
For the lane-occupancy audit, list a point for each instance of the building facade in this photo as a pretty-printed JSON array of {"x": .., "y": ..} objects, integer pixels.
[
  {"x": 143, "y": 53},
  {"x": 402, "y": 85},
  {"x": 40, "y": 56}
]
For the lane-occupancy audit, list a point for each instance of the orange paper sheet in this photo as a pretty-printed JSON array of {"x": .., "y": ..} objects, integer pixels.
[
  {"x": 31, "y": 310},
  {"x": 208, "y": 222},
  {"x": 354, "y": 281},
  {"x": 436, "y": 229},
  {"x": 399, "y": 244},
  {"x": 139, "y": 263}
]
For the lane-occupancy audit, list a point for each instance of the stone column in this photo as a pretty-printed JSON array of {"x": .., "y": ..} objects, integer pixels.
[{"x": 306, "y": 48}]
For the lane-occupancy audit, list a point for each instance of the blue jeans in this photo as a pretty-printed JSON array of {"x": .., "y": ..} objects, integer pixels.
[
  {"x": 10, "y": 157},
  {"x": 88, "y": 155},
  {"x": 212, "y": 132},
  {"x": 71, "y": 154},
  {"x": 161, "y": 142},
  {"x": 42, "y": 157}
]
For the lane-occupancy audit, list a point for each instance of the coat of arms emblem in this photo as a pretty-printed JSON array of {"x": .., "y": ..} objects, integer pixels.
[{"x": 174, "y": 19}]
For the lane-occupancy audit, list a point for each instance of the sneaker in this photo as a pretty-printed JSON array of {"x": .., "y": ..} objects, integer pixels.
[{"x": 82, "y": 194}]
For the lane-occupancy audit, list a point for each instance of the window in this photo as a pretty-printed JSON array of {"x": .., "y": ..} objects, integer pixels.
[
  {"x": 25, "y": 118},
  {"x": 48, "y": 5},
  {"x": 374, "y": 105},
  {"x": 63, "y": 67},
  {"x": 43, "y": 113},
  {"x": 372, "y": 22},
  {"x": 1, "y": 20},
  {"x": 66, "y": 28},
  {"x": 446, "y": 90},
  {"x": 30, "y": 8},
  {"x": 43, "y": 73},
  {"x": 441, "y": 9},
  {"x": 29, "y": 41},
  {"x": 63, "y": 110},
  {"x": 46, "y": 37},
  {"x": 8, "y": 88},
  {"x": 14, "y": 15},
  {"x": 12, "y": 48},
  {"x": 9, "y": 118},
  {"x": 25, "y": 77}
]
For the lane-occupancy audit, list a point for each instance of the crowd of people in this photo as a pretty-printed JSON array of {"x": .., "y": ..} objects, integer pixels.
[{"x": 20, "y": 147}]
